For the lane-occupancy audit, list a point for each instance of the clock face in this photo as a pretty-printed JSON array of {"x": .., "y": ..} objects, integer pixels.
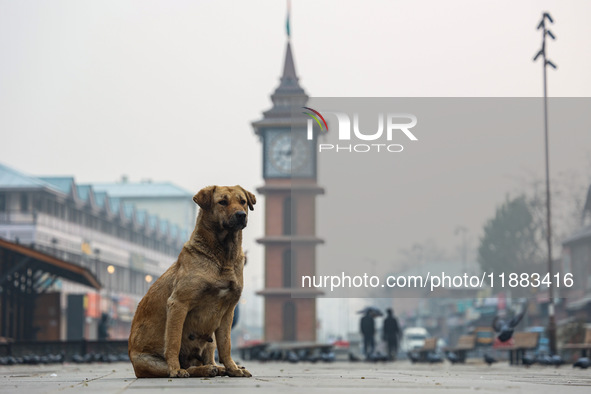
[{"x": 288, "y": 155}]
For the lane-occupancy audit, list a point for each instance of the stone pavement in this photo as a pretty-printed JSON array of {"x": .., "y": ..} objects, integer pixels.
[{"x": 340, "y": 377}]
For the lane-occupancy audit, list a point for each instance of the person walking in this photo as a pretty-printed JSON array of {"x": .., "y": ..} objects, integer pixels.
[
  {"x": 103, "y": 328},
  {"x": 391, "y": 334},
  {"x": 368, "y": 330}
]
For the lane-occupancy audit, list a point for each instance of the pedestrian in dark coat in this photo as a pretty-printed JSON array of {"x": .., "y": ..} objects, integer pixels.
[
  {"x": 368, "y": 330},
  {"x": 391, "y": 334}
]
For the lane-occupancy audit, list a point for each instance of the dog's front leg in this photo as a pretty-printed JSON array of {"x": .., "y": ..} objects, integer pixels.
[
  {"x": 222, "y": 336},
  {"x": 176, "y": 313}
]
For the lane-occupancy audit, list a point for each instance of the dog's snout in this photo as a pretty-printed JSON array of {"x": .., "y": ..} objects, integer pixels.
[{"x": 240, "y": 215}]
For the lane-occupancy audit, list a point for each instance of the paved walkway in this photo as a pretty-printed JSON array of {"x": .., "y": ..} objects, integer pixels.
[{"x": 340, "y": 377}]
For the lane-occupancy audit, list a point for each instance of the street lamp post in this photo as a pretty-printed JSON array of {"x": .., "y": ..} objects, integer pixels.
[
  {"x": 111, "y": 271},
  {"x": 97, "y": 255},
  {"x": 551, "y": 318}
]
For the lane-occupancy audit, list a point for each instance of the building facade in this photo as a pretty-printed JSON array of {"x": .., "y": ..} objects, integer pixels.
[
  {"x": 576, "y": 259},
  {"x": 163, "y": 199},
  {"x": 126, "y": 248}
]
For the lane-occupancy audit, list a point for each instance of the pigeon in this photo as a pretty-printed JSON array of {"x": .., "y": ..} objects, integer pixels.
[
  {"x": 376, "y": 356},
  {"x": 582, "y": 363},
  {"x": 433, "y": 358},
  {"x": 353, "y": 358},
  {"x": 123, "y": 357},
  {"x": 31, "y": 359},
  {"x": 328, "y": 357},
  {"x": 111, "y": 358},
  {"x": 263, "y": 356},
  {"x": 505, "y": 329},
  {"x": 78, "y": 359},
  {"x": 452, "y": 357},
  {"x": 312, "y": 359},
  {"x": 528, "y": 361},
  {"x": 292, "y": 357},
  {"x": 414, "y": 358},
  {"x": 489, "y": 360},
  {"x": 557, "y": 361},
  {"x": 57, "y": 358},
  {"x": 544, "y": 360}
]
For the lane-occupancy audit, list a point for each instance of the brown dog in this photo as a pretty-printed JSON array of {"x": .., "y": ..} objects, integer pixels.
[{"x": 191, "y": 306}]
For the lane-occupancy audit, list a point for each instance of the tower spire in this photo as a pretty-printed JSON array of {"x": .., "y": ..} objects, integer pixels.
[
  {"x": 289, "y": 77},
  {"x": 289, "y": 94}
]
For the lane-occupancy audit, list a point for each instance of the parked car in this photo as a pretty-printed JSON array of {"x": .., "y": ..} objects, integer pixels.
[{"x": 413, "y": 338}]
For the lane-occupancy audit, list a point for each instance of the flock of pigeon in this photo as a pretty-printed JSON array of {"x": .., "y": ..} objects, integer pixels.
[
  {"x": 293, "y": 357},
  {"x": 33, "y": 359},
  {"x": 528, "y": 361}
]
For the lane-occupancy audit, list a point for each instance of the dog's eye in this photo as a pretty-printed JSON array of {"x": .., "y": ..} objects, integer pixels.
[
  {"x": 242, "y": 202},
  {"x": 223, "y": 203}
]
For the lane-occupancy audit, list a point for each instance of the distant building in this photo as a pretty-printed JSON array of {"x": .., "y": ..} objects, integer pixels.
[
  {"x": 290, "y": 209},
  {"x": 164, "y": 199},
  {"x": 124, "y": 246},
  {"x": 576, "y": 259}
]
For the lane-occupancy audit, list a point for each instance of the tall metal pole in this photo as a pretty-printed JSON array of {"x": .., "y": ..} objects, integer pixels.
[{"x": 551, "y": 311}]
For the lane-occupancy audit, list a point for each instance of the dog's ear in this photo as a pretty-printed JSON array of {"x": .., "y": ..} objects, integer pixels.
[
  {"x": 205, "y": 197},
  {"x": 250, "y": 198}
]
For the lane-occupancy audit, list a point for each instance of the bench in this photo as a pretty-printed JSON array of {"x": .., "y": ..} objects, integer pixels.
[
  {"x": 465, "y": 344},
  {"x": 429, "y": 346},
  {"x": 583, "y": 346},
  {"x": 522, "y": 341}
]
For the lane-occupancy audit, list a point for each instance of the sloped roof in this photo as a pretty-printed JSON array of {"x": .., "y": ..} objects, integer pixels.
[
  {"x": 11, "y": 178},
  {"x": 63, "y": 184},
  {"x": 100, "y": 199},
  {"x": 84, "y": 192},
  {"x": 53, "y": 265},
  {"x": 579, "y": 235},
  {"x": 100, "y": 194},
  {"x": 141, "y": 190}
]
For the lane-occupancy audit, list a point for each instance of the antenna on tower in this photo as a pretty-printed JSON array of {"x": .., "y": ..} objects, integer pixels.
[{"x": 287, "y": 21}]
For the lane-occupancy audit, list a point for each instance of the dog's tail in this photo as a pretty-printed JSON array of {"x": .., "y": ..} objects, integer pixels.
[{"x": 148, "y": 365}]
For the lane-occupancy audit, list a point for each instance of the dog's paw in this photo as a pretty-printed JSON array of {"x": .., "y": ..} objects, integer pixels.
[
  {"x": 238, "y": 373},
  {"x": 221, "y": 370},
  {"x": 213, "y": 370},
  {"x": 179, "y": 373}
]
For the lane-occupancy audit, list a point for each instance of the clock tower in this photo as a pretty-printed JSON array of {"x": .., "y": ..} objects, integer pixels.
[{"x": 290, "y": 190}]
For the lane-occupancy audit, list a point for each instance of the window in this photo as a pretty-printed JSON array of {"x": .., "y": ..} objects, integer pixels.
[
  {"x": 24, "y": 202},
  {"x": 2, "y": 202},
  {"x": 287, "y": 259},
  {"x": 289, "y": 321},
  {"x": 37, "y": 203},
  {"x": 289, "y": 222}
]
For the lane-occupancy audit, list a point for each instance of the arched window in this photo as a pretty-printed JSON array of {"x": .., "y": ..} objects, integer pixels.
[
  {"x": 289, "y": 217},
  {"x": 289, "y": 321},
  {"x": 287, "y": 260}
]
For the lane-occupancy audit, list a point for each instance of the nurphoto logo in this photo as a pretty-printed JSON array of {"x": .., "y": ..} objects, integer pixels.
[{"x": 391, "y": 123}]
